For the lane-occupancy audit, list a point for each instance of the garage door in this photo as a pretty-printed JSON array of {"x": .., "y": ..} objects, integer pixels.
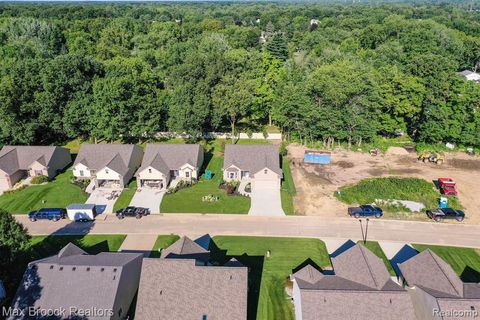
[
  {"x": 267, "y": 184},
  {"x": 4, "y": 184}
]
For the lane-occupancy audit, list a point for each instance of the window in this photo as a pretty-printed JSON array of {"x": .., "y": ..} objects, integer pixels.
[
  {"x": 82, "y": 173},
  {"x": 187, "y": 174},
  {"x": 106, "y": 170},
  {"x": 204, "y": 317},
  {"x": 232, "y": 175},
  {"x": 265, "y": 171},
  {"x": 149, "y": 170}
]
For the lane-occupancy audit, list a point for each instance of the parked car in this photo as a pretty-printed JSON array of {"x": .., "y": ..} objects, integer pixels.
[
  {"x": 440, "y": 214},
  {"x": 447, "y": 186},
  {"x": 136, "y": 212},
  {"x": 366, "y": 210},
  {"x": 54, "y": 214}
]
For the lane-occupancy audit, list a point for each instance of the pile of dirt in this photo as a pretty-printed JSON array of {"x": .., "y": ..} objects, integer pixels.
[{"x": 399, "y": 151}]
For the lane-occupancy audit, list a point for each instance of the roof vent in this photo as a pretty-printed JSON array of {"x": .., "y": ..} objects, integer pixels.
[
  {"x": 114, "y": 269},
  {"x": 88, "y": 268},
  {"x": 231, "y": 277},
  {"x": 102, "y": 269},
  {"x": 61, "y": 268},
  {"x": 161, "y": 291},
  {"x": 74, "y": 268},
  {"x": 51, "y": 267}
]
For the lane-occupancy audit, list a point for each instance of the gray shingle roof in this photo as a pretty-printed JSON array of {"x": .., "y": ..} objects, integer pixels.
[
  {"x": 166, "y": 157},
  {"x": 360, "y": 265},
  {"x": 360, "y": 289},
  {"x": 431, "y": 273},
  {"x": 73, "y": 278},
  {"x": 252, "y": 158},
  {"x": 14, "y": 158},
  {"x": 180, "y": 290},
  {"x": 187, "y": 249},
  {"x": 117, "y": 157}
]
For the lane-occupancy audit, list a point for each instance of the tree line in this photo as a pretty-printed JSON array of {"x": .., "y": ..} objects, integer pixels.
[{"x": 126, "y": 71}]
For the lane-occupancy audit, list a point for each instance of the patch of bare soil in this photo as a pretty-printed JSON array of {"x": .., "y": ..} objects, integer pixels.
[{"x": 317, "y": 184}]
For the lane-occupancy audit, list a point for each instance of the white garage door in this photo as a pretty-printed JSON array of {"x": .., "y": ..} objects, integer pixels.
[{"x": 266, "y": 184}]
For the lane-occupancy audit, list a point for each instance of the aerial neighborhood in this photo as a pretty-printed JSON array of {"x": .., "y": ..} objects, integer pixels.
[{"x": 289, "y": 160}]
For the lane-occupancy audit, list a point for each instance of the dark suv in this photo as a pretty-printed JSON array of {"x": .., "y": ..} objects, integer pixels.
[
  {"x": 54, "y": 214},
  {"x": 446, "y": 213},
  {"x": 136, "y": 212}
]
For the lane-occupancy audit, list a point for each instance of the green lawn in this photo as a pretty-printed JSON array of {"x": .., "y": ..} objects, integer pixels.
[
  {"x": 126, "y": 196},
  {"x": 288, "y": 189},
  {"x": 465, "y": 261},
  {"x": 268, "y": 276},
  {"x": 162, "y": 242},
  {"x": 414, "y": 189},
  {"x": 189, "y": 200},
  {"x": 57, "y": 193},
  {"x": 374, "y": 246}
]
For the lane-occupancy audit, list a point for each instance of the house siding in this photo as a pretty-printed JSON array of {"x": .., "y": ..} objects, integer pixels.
[
  {"x": 86, "y": 172},
  {"x": 423, "y": 304},
  {"x": 61, "y": 158},
  {"x": 37, "y": 169},
  {"x": 297, "y": 301},
  {"x": 127, "y": 288}
]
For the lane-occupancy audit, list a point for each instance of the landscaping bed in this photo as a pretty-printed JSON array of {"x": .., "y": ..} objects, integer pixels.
[
  {"x": 268, "y": 275},
  {"x": 394, "y": 188},
  {"x": 58, "y": 193}
]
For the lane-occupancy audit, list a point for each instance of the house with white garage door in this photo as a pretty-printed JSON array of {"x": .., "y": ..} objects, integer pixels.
[
  {"x": 260, "y": 164},
  {"x": 164, "y": 163},
  {"x": 18, "y": 162},
  {"x": 108, "y": 165}
]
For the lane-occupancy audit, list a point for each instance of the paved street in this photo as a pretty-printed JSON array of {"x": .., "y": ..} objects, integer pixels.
[{"x": 288, "y": 226}]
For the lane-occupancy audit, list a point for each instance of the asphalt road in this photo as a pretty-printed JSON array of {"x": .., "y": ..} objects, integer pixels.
[{"x": 454, "y": 234}]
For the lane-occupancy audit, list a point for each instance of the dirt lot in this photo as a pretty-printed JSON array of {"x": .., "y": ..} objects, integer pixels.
[{"x": 316, "y": 184}]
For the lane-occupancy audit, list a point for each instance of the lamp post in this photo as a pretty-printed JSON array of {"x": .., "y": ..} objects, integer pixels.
[{"x": 364, "y": 235}]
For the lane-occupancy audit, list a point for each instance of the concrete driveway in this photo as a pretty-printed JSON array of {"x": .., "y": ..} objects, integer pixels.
[
  {"x": 266, "y": 201},
  {"x": 98, "y": 197},
  {"x": 148, "y": 198}
]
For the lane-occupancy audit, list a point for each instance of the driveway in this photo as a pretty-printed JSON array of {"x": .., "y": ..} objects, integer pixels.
[
  {"x": 148, "y": 198},
  {"x": 266, "y": 201},
  {"x": 139, "y": 243},
  {"x": 98, "y": 197}
]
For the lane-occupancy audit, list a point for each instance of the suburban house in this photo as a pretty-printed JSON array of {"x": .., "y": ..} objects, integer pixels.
[
  {"x": 181, "y": 288},
  {"x": 104, "y": 284},
  {"x": 470, "y": 75},
  {"x": 17, "y": 162},
  {"x": 360, "y": 288},
  {"x": 165, "y": 162},
  {"x": 107, "y": 165},
  {"x": 437, "y": 292},
  {"x": 260, "y": 164}
]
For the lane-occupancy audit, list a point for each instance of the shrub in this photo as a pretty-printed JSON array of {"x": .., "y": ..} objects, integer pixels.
[
  {"x": 81, "y": 183},
  {"x": 283, "y": 148},
  {"x": 182, "y": 184},
  {"x": 13, "y": 191},
  {"x": 39, "y": 179}
]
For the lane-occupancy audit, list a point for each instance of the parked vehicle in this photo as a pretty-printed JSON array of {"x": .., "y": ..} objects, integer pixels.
[
  {"x": 447, "y": 186},
  {"x": 54, "y": 214},
  {"x": 366, "y": 210},
  {"x": 136, "y": 212},
  {"x": 440, "y": 214},
  {"x": 431, "y": 157},
  {"x": 81, "y": 212}
]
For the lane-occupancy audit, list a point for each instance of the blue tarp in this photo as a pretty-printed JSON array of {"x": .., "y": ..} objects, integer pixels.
[{"x": 317, "y": 158}]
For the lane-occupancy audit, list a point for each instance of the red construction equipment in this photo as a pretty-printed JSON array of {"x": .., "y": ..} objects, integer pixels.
[{"x": 447, "y": 186}]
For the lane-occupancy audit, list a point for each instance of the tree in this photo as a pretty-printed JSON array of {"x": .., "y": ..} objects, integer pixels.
[
  {"x": 14, "y": 241},
  {"x": 232, "y": 100},
  {"x": 277, "y": 46}
]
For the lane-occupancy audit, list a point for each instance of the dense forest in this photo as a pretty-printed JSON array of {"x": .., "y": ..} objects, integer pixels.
[{"x": 319, "y": 72}]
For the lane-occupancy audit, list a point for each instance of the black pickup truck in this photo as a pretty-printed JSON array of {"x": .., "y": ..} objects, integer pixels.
[{"x": 441, "y": 214}]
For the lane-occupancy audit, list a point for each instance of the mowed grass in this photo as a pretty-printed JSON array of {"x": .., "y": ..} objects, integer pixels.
[
  {"x": 374, "y": 246},
  {"x": 162, "y": 242},
  {"x": 189, "y": 200},
  {"x": 126, "y": 196},
  {"x": 413, "y": 189},
  {"x": 56, "y": 193},
  {"x": 465, "y": 261},
  {"x": 268, "y": 275},
  {"x": 288, "y": 189}
]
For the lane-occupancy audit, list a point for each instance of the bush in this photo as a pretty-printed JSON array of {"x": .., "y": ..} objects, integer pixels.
[
  {"x": 182, "y": 184},
  {"x": 393, "y": 188},
  {"x": 81, "y": 183},
  {"x": 283, "y": 148},
  {"x": 13, "y": 191},
  {"x": 39, "y": 179}
]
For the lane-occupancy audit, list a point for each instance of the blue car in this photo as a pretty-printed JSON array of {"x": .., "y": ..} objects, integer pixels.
[
  {"x": 54, "y": 214},
  {"x": 366, "y": 210}
]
